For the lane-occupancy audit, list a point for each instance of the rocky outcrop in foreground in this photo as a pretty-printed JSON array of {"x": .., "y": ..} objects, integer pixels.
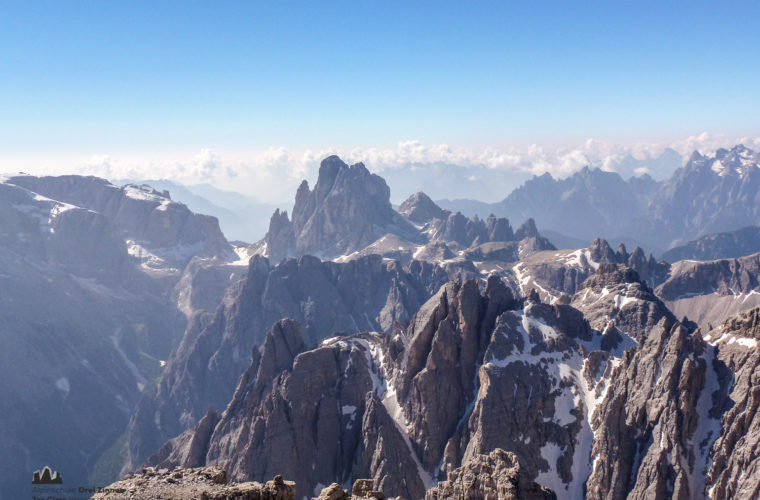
[
  {"x": 488, "y": 477},
  {"x": 210, "y": 483},
  {"x": 205, "y": 483},
  {"x": 363, "y": 489},
  {"x": 493, "y": 476}
]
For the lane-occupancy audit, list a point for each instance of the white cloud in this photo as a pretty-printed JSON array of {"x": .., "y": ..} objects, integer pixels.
[{"x": 273, "y": 174}]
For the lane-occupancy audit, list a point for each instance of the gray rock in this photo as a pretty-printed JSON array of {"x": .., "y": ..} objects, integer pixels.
[
  {"x": 496, "y": 476},
  {"x": 325, "y": 297},
  {"x": 421, "y": 209},
  {"x": 203, "y": 483}
]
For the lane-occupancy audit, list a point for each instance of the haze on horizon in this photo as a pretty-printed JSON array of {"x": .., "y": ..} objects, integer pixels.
[{"x": 251, "y": 96}]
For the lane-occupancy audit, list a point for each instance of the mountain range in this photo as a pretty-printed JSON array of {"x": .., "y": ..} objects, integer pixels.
[
  {"x": 416, "y": 347},
  {"x": 709, "y": 194}
]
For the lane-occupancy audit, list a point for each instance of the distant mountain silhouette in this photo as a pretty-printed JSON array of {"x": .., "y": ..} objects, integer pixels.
[{"x": 47, "y": 477}]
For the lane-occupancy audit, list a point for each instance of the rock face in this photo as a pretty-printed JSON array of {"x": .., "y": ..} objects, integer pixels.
[
  {"x": 367, "y": 294},
  {"x": 493, "y": 476},
  {"x": 421, "y": 209},
  {"x": 614, "y": 298},
  {"x": 205, "y": 483},
  {"x": 162, "y": 233},
  {"x": 437, "y": 355},
  {"x": 348, "y": 209},
  {"x": 679, "y": 421},
  {"x": 280, "y": 240},
  {"x": 735, "y": 461},
  {"x": 709, "y": 292},
  {"x": 554, "y": 273},
  {"x": 648, "y": 444},
  {"x": 314, "y": 415}
]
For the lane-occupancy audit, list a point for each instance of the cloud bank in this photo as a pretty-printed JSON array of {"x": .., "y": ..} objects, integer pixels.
[{"x": 444, "y": 171}]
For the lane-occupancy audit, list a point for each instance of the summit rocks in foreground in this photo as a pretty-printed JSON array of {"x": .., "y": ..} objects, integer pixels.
[
  {"x": 493, "y": 476},
  {"x": 205, "y": 483}
]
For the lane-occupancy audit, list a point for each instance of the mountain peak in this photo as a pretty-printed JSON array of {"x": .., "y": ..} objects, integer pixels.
[
  {"x": 420, "y": 208},
  {"x": 347, "y": 210},
  {"x": 528, "y": 229},
  {"x": 735, "y": 162}
]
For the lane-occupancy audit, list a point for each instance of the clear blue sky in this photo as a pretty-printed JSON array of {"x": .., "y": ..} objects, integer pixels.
[{"x": 112, "y": 77}]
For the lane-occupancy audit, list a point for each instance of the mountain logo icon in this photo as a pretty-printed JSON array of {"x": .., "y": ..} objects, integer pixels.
[{"x": 47, "y": 476}]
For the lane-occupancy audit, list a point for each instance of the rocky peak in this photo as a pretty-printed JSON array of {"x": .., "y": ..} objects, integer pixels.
[
  {"x": 462, "y": 230},
  {"x": 283, "y": 343},
  {"x": 650, "y": 419},
  {"x": 746, "y": 324},
  {"x": 145, "y": 218},
  {"x": 724, "y": 277},
  {"x": 736, "y": 361},
  {"x": 280, "y": 239},
  {"x": 601, "y": 251},
  {"x": 365, "y": 294},
  {"x": 499, "y": 229},
  {"x": 613, "y": 274},
  {"x": 494, "y": 475},
  {"x": 466, "y": 232},
  {"x": 528, "y": 229},
  {"x": 421, "y": 209},
  {"x": 348, "y": 210},
  {"x": 622, "y": 253},
  {"x": 737, "y": 161},
  {"x": 615, "y": 296},
  {"x": 637, "y": 259}
]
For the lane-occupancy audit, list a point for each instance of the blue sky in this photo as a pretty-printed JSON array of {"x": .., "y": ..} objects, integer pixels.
[{"x": 157, "y": 78}]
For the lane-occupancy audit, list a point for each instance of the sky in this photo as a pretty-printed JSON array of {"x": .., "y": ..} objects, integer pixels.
[{"x": 248, "y": 94}]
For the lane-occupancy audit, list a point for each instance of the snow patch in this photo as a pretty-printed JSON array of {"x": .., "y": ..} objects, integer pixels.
[
  {"x": 244, "y": 256},
  {"x": 63, "y": 385},
  {"x": 348, "y": 410},
  {"x": 144, "y": 193},
  {"x": 550, "y": 479}
]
